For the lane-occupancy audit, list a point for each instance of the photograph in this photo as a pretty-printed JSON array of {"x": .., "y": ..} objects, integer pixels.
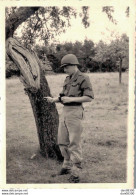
[{"x": 67, "y": 85}]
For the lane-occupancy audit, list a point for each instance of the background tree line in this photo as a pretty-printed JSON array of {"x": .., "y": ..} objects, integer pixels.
[{"x": 100, "y": 57}]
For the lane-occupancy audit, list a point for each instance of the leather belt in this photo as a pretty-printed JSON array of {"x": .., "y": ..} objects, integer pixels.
[{"x": 73, "y": 104}]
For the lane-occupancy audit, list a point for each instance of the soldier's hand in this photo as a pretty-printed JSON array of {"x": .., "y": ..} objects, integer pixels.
[
  {"x": 49, "y": 99},
  {"x": 66, "y": 99}
]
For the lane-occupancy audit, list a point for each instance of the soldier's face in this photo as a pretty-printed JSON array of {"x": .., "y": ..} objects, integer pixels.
[{"x": 69, "y": 69}]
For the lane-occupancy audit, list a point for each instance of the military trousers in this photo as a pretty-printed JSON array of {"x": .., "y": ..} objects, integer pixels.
[{"x": 69, "y": 134}]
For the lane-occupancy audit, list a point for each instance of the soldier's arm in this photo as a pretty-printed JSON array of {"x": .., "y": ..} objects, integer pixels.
[
  {"x": 76, "y": 99},
  {"x": 86, "y": 87}
]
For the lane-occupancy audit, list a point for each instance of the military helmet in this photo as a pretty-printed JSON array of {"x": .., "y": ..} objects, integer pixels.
[{"x": 69, "y": 59}]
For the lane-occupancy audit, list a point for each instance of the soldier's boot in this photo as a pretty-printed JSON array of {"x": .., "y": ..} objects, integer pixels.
[
  {"x": 75, "y": 173},
  {"x": 66, "y": 169}
]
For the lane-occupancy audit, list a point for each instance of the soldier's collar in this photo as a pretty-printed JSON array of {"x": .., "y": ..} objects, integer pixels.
[{"x": 75, "y": 76}]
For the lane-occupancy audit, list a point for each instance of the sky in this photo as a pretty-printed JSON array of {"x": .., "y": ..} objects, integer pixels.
[{"x": 100, "y": 26}]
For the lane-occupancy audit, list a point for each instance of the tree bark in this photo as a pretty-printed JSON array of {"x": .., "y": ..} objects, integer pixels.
[{"x": 36, "y": 86}]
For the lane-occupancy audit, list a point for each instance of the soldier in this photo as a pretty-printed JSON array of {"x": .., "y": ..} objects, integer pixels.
[{"x": 76, "y": 90}]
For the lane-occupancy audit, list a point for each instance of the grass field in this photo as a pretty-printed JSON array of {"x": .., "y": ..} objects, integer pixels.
[{"x": 104, "y": 139}]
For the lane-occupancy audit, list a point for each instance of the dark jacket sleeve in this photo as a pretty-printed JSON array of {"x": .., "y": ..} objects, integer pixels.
[{"x": 86, "y": 87}]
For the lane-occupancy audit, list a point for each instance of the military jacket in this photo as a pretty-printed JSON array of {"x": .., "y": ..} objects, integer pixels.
[{"x": 77, "y": 86}]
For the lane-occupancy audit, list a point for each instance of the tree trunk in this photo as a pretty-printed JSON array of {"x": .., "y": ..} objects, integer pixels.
[
  {"x": 36, "y": 86},
  {"x": 46, "y": 117},
  {"x": 120, "y": 70},
  {"x": 100, "y": 67}
]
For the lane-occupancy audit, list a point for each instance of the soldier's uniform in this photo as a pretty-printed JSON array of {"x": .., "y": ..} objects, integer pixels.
[{"x": 70, "y": 125}]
